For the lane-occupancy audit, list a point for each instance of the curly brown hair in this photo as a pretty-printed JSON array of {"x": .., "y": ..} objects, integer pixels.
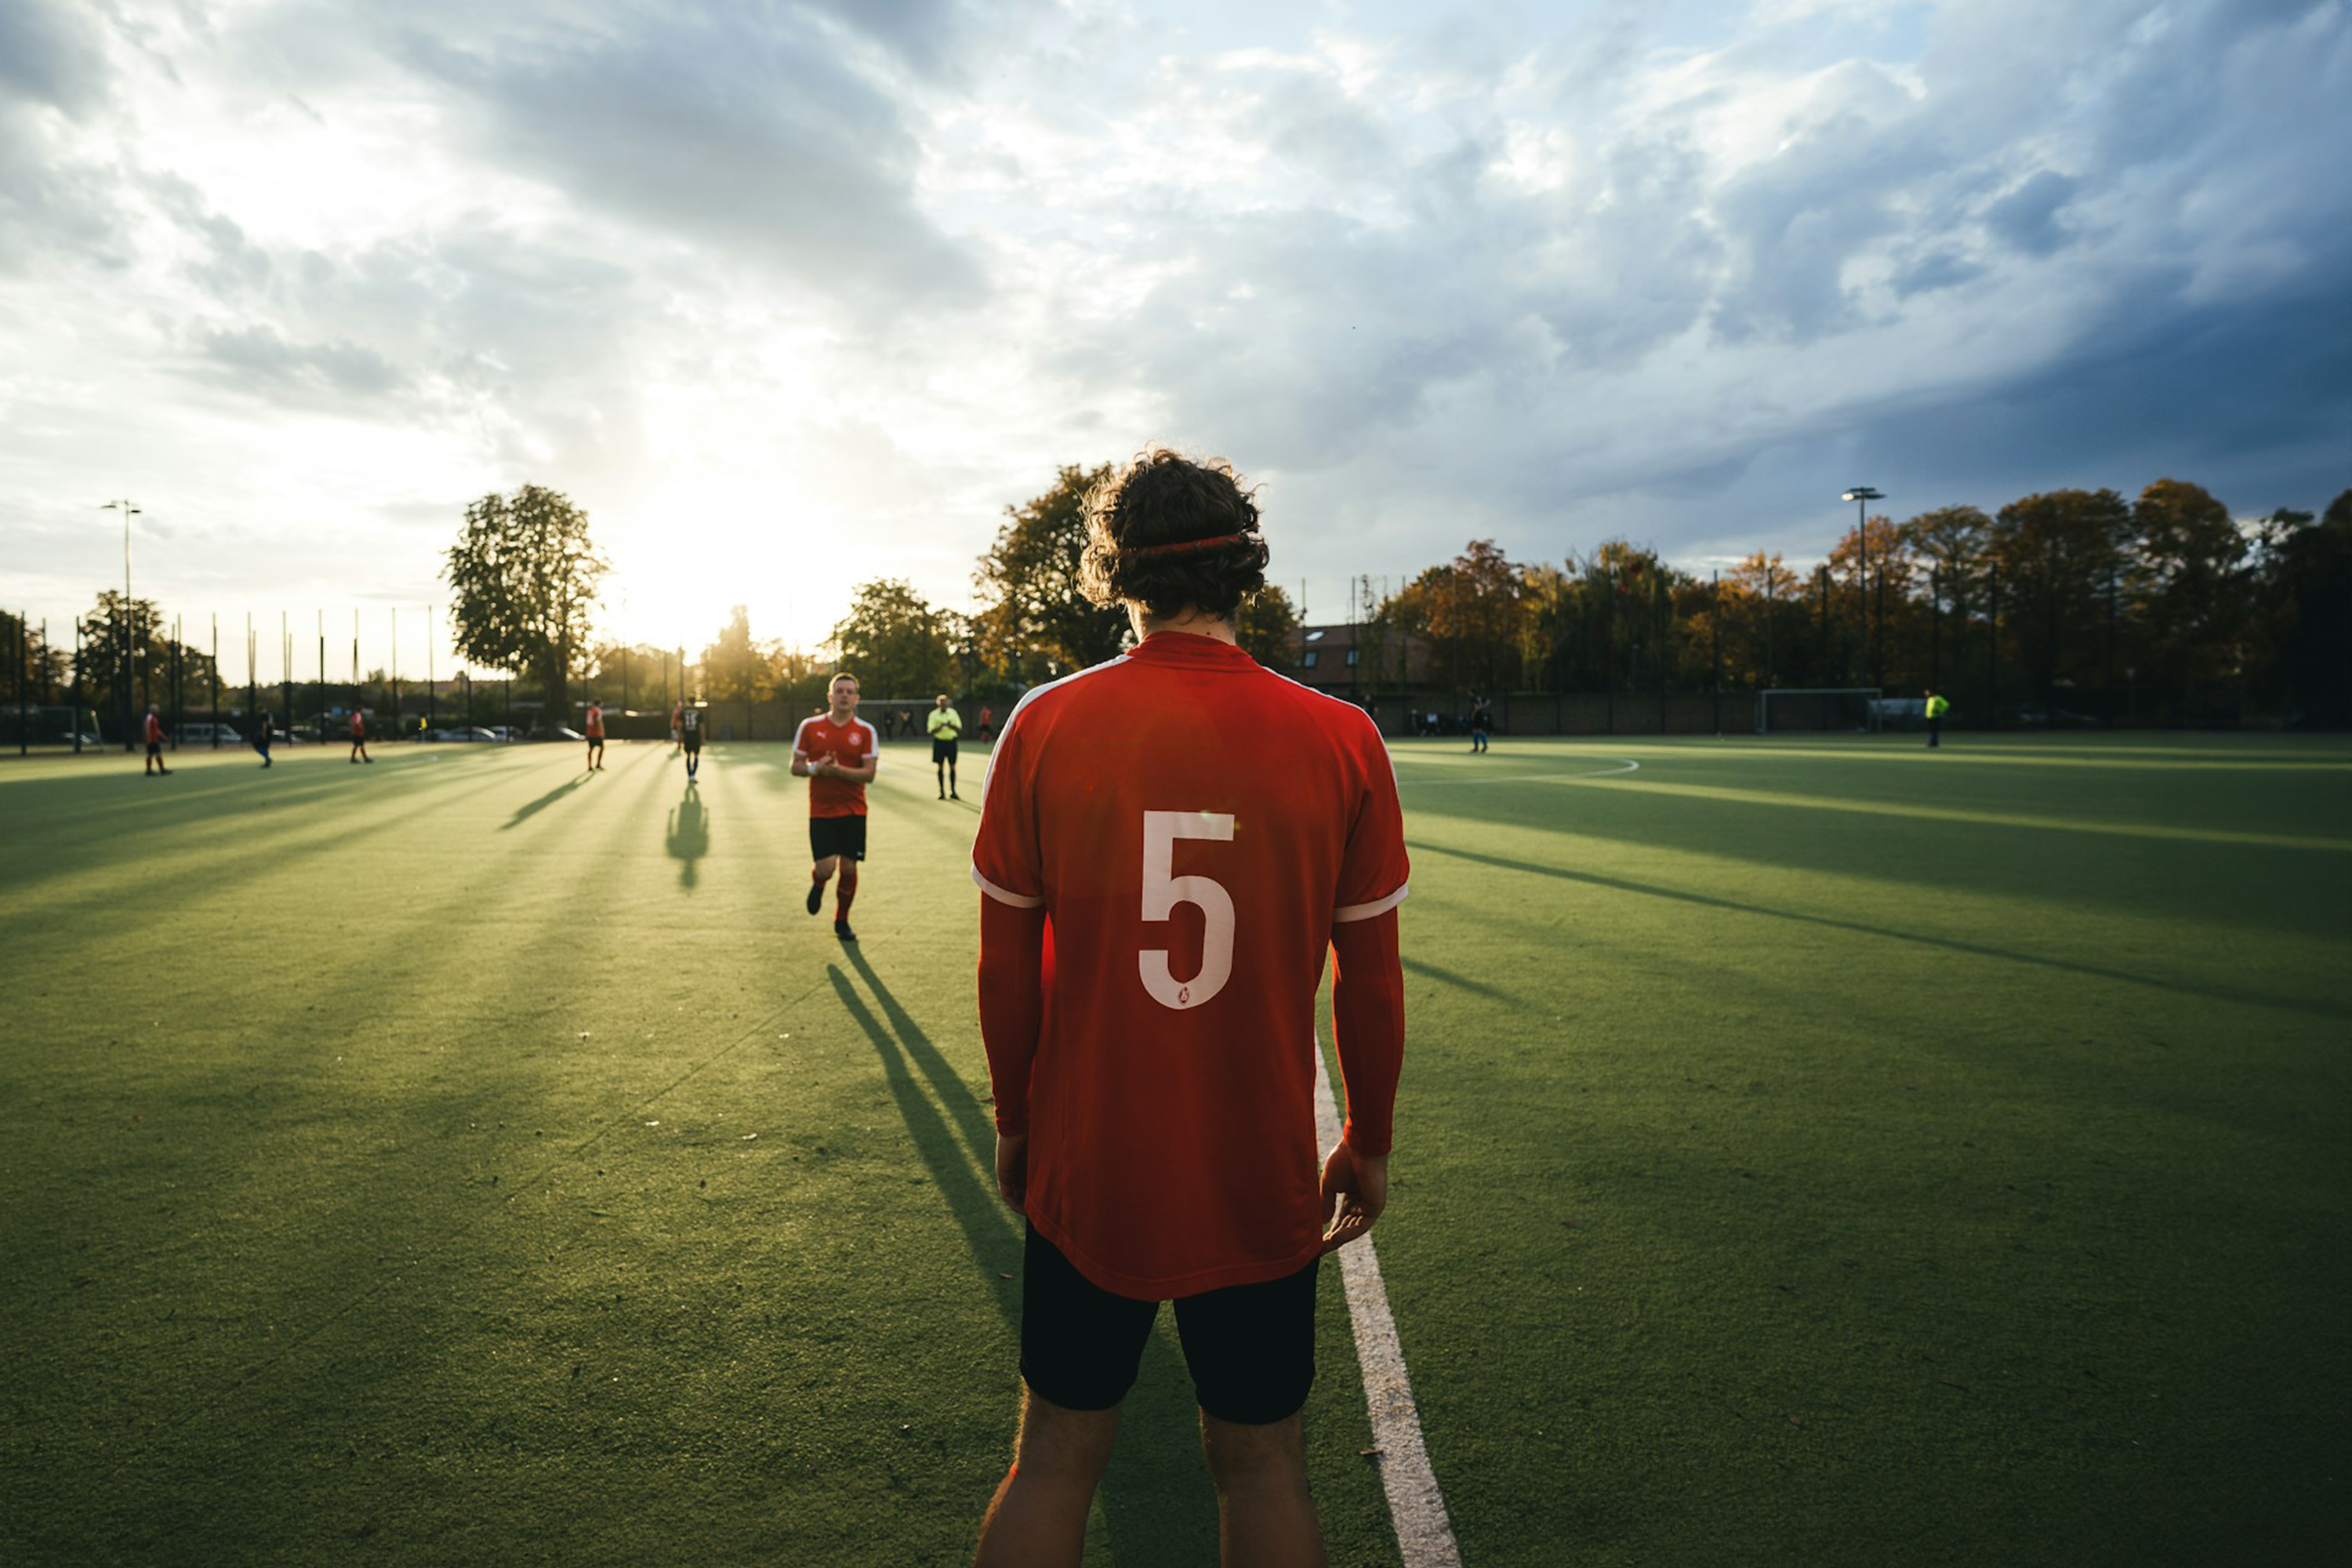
[{"x": 1167, "y": 532}]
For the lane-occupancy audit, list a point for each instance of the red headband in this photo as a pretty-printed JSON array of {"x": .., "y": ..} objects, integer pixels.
[{"x": 1183, "y": 547}]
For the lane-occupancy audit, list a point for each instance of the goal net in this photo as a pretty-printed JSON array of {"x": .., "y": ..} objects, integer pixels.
[{"x": 1787, "y": 709}]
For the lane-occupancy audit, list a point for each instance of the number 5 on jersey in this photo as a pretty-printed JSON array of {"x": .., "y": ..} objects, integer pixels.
[{"x": 1163, "y": 890}]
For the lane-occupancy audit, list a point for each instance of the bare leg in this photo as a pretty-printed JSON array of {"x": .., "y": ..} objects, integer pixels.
[
  {"x": 1265, "y": 1517},
  {"x": 1039, "y": 1516}
]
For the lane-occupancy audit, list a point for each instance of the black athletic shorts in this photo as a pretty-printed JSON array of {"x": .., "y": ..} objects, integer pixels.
[
  {"x": 1251, "y": 1348},
  {"x": 831, "y": 835},
  {"x": 942, "y": 750},
  {"x": 693, "y": 742},
  {"x": 154, "y": 748}
]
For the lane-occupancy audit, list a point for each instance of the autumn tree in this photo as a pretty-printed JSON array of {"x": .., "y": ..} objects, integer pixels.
[
  {"x": 1264, "y": 623},
  {"x": 524, "y": 575},
  {"x": 895, "y": 642},
  {"x": 1034, "y": 617},
  {"x": 1469, "y": 611}
]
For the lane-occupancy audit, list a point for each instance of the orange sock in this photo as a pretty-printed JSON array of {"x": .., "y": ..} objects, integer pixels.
[{"x": 848, "y": 891}]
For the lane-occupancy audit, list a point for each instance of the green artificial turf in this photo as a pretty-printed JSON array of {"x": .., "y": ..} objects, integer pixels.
[{"x": 1808, "y": 1152}]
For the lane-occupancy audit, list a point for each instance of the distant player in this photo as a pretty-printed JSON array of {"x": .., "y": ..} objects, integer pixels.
[
  {"x": 595, "y": 737},
  {"x": 676, "y": 711},
  {"x": 987, "y": 723},
  {"x": 154, "y": 744},
  {"x": 261, "y": 738},
  {"x": 689, "y": 729},
  {"x": 945, "y": 725},
  {"x": 358, "y": 738},
  {"x": 1936, "y": 708},
  {"x": 836, "y": 752},
  {"x": 1482, "y": 720},
  {"x": 1169, "y": 844}
]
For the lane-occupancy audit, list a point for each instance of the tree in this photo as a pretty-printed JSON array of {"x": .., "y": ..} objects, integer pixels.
[
  {"x": 1033, "y": 611},
  {"x": 896, "y": 643},
  {"x": 735, "y": 669},
  {"x": 2188, "y": 591},
  {"x": 1469, "y": 610},
  {"x": 1265, "y": 622},
  {"x": 2305, "y": 582},
  {"x": 2060, "y": 557},
  {"x": 524, "y": 574}
]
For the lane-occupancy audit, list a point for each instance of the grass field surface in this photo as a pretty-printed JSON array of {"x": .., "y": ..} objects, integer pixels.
[{"x": 1816, "y": 1151}]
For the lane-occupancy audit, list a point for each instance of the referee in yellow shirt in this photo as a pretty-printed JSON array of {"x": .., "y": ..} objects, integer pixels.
[{"x": 945, "y": 726}]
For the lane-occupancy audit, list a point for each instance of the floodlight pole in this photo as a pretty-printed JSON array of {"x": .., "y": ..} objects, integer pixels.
[
  {"x": 1861, "y": 496},
  {"x": 122, "y": 637}
]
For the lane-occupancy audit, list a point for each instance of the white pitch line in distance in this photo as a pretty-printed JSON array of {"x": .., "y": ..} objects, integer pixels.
[
  {"x": 1626, "y": 766},
  {"x": 1417, "y": 1509}
]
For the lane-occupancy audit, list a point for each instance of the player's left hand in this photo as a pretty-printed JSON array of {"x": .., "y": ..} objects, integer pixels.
[
  {"x": 1355, "y": 1191},
  {"x": 1012, "y": 1170}
]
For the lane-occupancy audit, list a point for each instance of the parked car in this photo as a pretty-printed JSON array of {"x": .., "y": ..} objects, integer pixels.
[
  {"x": 503, "y": 732},
  {"x": 566, "y": 733},
  {"x": 206, "y": 733},
  {"x": 463, "y": 732}
]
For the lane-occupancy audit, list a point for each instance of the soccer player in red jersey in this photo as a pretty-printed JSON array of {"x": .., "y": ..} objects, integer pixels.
[
  {"x": 358, "y": 738},
  {"x": 595, "y": 737},
  {"x": 836, "y": 752},
  {"x": 1169, "y": 844},
  {"x": 155, "y": 742}
]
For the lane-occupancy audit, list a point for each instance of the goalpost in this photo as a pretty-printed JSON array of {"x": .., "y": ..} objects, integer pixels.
[{"x": 1786, "y": 708}]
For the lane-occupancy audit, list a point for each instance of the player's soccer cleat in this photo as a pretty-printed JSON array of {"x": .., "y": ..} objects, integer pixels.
[
  {"x": 841, "y": 929},
  {"x": 816, "y": 896}
]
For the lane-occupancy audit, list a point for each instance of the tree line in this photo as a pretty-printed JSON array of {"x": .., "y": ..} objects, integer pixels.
[
  {"x": 2072, "y": 605},
  {"x": 2069, "y": 605}
]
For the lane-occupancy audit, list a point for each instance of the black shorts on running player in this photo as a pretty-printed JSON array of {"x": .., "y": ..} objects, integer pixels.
[
  {"x": 1251, "y": 1348},
  {"x": 831, "y": 835}
]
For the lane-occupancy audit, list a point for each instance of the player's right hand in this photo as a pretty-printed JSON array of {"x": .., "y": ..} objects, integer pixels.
[
  {"x": 1355, "y": 1191},
  {"x": 1012, "y": 1170}
]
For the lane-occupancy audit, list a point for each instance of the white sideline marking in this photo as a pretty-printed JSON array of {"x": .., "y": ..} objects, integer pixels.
[
  {"x": 1425, "y": 1535},
  {"x": 1625, "y": 766}
]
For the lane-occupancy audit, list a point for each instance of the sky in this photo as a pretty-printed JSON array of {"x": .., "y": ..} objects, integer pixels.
[{"x": 790, "y": 295}]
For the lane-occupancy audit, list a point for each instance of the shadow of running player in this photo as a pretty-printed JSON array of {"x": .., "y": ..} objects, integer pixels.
[{"x": 1156, "y": 1500}]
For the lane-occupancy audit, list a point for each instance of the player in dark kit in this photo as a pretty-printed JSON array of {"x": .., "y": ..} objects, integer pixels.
[
  {"x": 836, "y": 752},
  {"x": 1169, "y": 845},
  {"x": 261, "y": 739},
  {"x": 688, "y": 729}
]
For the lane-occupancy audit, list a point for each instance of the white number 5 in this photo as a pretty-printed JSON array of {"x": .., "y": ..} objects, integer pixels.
[{"x": 1163, "y": 890}]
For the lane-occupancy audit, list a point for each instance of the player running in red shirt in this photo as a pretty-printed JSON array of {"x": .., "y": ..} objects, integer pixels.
[
  {"x": 358, "y": 738},
  {"x": 1169, "y": 844},
  {"x": 595, "y": 737},
  {"x": 836, "y": 752},
  {"x": 154, "y": 743}
]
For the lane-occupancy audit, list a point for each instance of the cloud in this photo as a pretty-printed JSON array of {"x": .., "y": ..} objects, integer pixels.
[
  {"x": 256, "y": 360},
  {"x": 742, "y": 131}
]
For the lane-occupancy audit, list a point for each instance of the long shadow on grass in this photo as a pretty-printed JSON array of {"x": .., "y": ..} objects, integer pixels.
[
  {"x": 995, "y": 1248},
  {"x": 2234, "y": 995},
  {"x": 542, "y": 803},
  {"x": 1447, "y": 978},
  {"x": 1155, "y": 1496}
]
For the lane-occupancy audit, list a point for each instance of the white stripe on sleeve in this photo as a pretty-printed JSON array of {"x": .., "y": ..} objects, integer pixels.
[
  {"x": 1346, "y": 912},
  {"x": 1004, "y": 895}
]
